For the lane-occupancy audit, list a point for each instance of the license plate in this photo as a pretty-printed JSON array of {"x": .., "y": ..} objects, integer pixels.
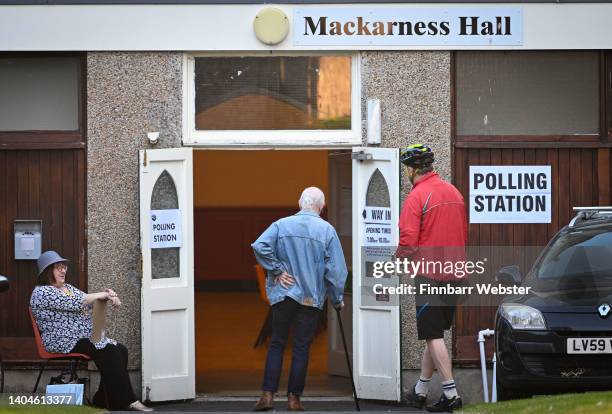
[{"x": 589, "y": 345}]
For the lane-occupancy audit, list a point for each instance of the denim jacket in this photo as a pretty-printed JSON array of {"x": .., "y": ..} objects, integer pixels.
[{"x": 307, "y": 247}]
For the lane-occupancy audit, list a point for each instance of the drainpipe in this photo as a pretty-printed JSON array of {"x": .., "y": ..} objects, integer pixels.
[{"x": 483, "y": 363}]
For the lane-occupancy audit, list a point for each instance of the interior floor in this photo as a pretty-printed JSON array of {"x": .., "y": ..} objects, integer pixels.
[{"x": 227, "y": 325}]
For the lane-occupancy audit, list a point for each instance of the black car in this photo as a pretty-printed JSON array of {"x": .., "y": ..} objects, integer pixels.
[{"x": 559, "y": 336}]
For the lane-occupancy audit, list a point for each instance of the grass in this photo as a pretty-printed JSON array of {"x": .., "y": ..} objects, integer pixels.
[{"x": 586, "y": 403}]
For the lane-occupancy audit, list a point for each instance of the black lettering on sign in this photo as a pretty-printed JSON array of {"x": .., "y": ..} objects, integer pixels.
[
  {"x": 479, "y": 206},
  {"x": 158, "y": 238},
  {"x": 321, "y": 26},
  {"x": 470, "y": 26},
  {"x": 164, "y": 226},
  {"x": 377, "y": 214},
  {"x": 541, "y": 181}
]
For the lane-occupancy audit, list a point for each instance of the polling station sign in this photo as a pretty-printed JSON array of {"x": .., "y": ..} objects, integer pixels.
[
  {"x": 510, "y": 194},
  {"x": 166, "y": 229}
]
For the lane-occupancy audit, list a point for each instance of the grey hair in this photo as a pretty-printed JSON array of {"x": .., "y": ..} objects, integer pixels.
[{"x": 312, "y": 198}]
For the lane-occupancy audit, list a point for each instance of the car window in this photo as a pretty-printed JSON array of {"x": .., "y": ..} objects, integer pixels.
[{"x": 580, "y": 253}]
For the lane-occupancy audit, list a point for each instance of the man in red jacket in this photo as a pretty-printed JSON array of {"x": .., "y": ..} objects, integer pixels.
[{"x": 433, "y": 230}]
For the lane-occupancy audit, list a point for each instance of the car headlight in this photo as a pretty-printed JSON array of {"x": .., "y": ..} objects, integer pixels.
[{"x": 522, "y": 316}]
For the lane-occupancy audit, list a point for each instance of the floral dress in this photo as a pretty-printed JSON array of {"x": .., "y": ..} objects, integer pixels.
[{"x": 63, "y": 318}]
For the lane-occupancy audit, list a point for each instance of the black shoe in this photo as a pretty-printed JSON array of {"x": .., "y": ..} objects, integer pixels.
[
  {"x": 445, "y": 405},
  {"x": 416, "y": 400}
]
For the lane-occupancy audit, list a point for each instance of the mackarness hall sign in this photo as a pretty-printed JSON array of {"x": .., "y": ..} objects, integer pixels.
[{"x": 410, "y": 26}]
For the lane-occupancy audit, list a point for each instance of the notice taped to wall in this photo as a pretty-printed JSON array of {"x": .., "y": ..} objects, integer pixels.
[
  {"x": 166, "y": 229},
  {"x": 510, "y": 194}
]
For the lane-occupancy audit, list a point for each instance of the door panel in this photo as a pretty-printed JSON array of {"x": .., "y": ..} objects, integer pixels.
[
  {"x": 167, "y": 303},
  {"x": 376, "y": 325},
  {"x": 46, "y": 185}
]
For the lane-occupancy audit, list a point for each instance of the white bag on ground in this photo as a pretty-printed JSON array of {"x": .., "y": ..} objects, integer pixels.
[{"x": 75, "y": 391}]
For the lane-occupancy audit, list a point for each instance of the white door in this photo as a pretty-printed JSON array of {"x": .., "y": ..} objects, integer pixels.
[
  {"x": 339, "y": 213},
  {"x": 376, "y": 323},
  {"x": 166, "y": 238}
]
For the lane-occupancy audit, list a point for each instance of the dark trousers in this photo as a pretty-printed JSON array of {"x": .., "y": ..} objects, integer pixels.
[
  {"x": 302, "y": 320},
  {"x": 115, "y": 387}
]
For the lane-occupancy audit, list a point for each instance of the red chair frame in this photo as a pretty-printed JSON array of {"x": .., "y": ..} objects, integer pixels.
[{"x": 48, "y": 356}]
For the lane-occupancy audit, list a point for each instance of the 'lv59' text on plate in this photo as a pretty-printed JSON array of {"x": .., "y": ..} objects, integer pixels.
[{"x": 589, "y": 345}]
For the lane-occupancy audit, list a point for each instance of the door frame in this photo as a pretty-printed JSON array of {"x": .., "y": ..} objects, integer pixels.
[{"x": 302, "y": 148}]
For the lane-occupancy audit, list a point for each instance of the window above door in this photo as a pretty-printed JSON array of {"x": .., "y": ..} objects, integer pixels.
[
  {"x": 281, "y": 100},
  {"x": 42, "y": 96}
]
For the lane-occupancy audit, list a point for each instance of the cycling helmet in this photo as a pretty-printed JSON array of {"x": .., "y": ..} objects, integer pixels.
[{"x": 417, "y": 155}]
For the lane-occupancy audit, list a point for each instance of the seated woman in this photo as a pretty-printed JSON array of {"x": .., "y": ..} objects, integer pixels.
[{"x": 63, "y": 315}]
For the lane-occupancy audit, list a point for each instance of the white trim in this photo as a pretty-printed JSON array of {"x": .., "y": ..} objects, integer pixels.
[
  {"x": 186, "y": 99},
  {"x": 214, "y": 27},
  {"x": 342, "y": 138}
]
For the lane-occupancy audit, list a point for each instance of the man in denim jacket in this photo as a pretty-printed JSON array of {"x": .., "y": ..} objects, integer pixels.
[{"x": 305, "y": 263}]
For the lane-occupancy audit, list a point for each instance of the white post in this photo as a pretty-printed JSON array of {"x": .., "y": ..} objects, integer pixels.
[{"x": 483, "y": 363}]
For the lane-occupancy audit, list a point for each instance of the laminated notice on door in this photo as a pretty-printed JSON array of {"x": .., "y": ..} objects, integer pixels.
[{"x": 99, "y": 320}]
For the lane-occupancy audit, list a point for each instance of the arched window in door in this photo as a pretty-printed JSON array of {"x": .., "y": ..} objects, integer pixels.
[
  {"x": 378, "y": 191},
  {"x": 165, "y": 262}
]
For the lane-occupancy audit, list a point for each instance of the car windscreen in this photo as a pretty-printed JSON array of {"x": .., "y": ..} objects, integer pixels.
[{"x": 579, "y": 254}]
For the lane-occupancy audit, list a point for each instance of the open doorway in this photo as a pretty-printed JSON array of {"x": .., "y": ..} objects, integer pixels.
[{"x": 237, "y": 195}]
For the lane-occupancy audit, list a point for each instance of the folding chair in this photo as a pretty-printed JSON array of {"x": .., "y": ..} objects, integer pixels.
[{"x": 47, "y": 356}]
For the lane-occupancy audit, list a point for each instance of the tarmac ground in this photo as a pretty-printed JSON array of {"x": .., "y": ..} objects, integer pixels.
[{"x": 312, "y": 405}]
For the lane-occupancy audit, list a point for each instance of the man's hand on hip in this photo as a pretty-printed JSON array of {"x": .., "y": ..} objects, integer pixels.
[
  {"x": 285, "y": 279},
  {"x": 339, "y": 306}
]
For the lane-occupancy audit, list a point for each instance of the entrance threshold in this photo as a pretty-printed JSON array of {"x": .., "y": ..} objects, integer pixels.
[{"x": 221, "y": 398}]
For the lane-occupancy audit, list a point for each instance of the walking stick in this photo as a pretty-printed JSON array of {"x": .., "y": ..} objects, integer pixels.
[{"x": 348, "y": 362}]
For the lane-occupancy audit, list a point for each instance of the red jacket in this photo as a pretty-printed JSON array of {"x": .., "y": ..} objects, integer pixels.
[{"x": 433, "y": 225}]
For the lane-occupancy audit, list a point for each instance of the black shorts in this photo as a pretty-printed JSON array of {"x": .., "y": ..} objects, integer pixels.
[{"x": 434, "y": 312}]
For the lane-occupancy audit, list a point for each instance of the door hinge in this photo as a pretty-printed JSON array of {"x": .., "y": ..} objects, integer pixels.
[
  {"x": 361, "y": 156},
  {"x": 141, "y": 267},
  {"x": 147, "y": 393},
  {"x": 145, "y": 161}
]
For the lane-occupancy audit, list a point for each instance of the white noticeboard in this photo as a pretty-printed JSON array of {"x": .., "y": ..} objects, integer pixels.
[
  {"x": 166, "y": 229},
  {"x": 510, "y": 194}
]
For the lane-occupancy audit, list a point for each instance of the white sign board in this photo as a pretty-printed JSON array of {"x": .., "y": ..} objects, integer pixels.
[
  {"x": 382, "y": 26},
  {"x": 510, "y": 194},
  {"x": 166, "y": 229},
  {"x": 377, "y": 229}
]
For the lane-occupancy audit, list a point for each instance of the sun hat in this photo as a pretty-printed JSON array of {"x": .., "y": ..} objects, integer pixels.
[{"x": 47, "y": 259}]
